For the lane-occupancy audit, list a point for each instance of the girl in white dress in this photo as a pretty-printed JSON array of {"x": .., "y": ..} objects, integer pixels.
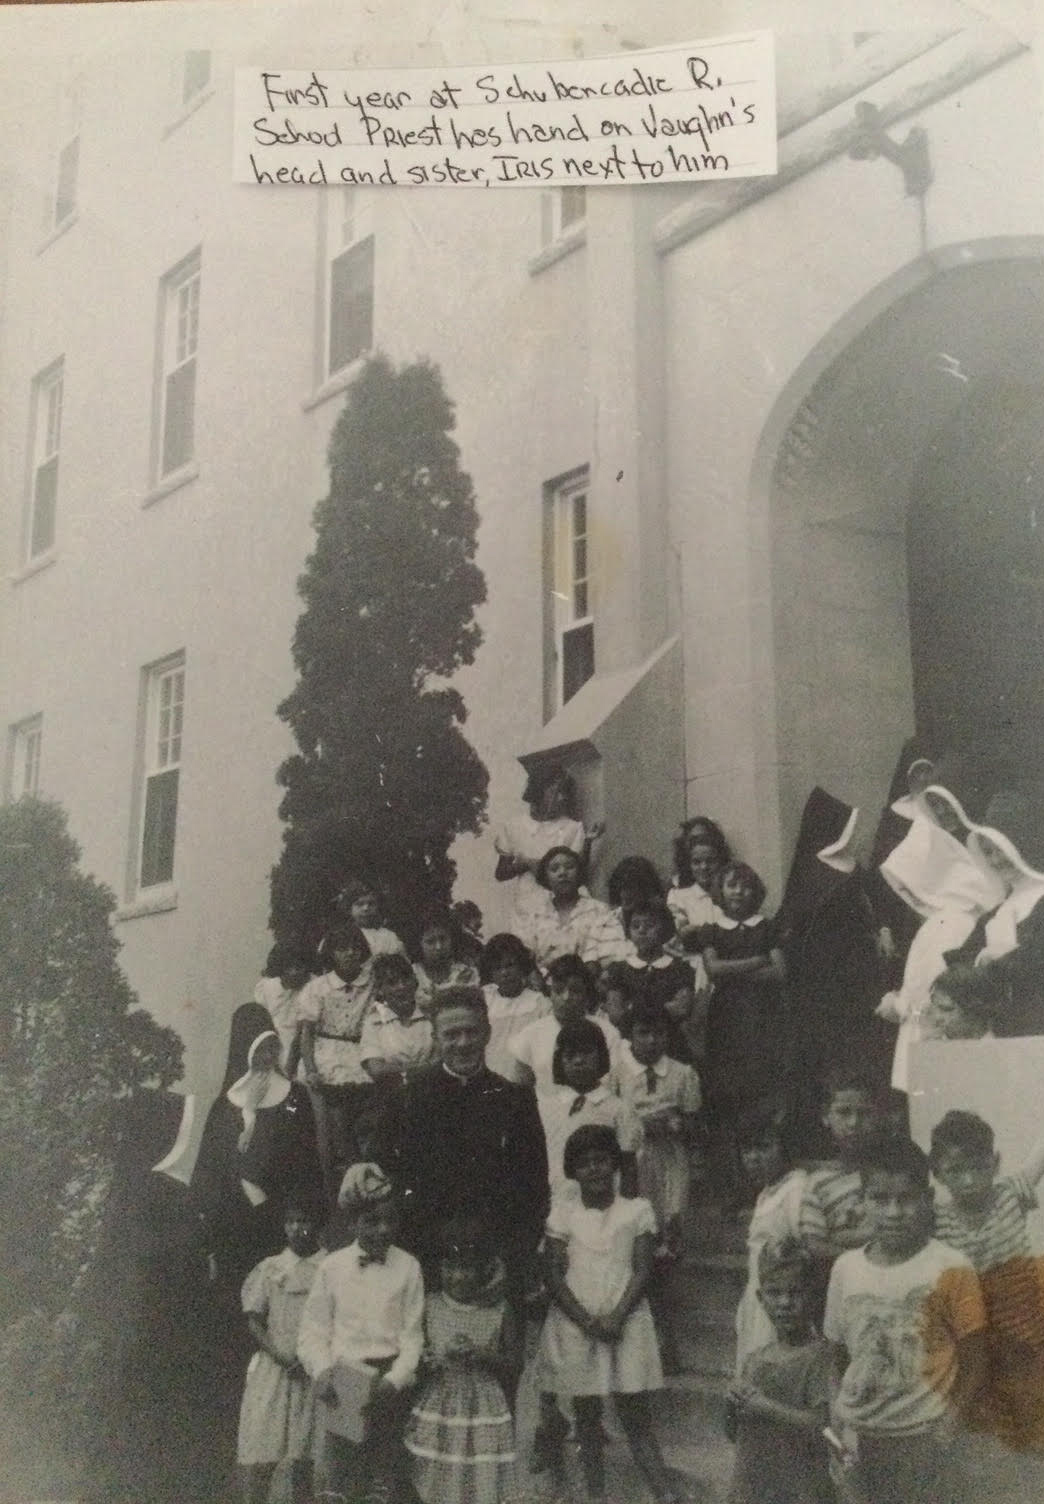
[
  {"x": 700, "y": 853},
  {"x": 552, "y": 820},
  {"x": 599, "y": 1336}
]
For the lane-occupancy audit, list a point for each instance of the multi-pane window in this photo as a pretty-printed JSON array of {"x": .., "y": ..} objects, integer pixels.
[
  {"x": 195, "y": 75},
  {"x": 24, "y": 766},
  {"x": 164, "y": 728},
  {"x": 47, "y": 394},
  {"x": 561, "y": 210},
  {"x": 349, "y": 282},
  {"x": 572, "y": 608},
  {"x": 180, "y": 342}
]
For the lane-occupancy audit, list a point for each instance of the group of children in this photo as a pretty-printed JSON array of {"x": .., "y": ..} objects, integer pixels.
[
  {"x": 439, "y": 1368},
  {"x": 890, "y": 1342},
  {"x": 878, "y": 1330}
]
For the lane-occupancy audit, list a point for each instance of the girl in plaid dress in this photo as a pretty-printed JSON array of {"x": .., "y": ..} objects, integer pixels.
[{"x": 461, "y": 1434}]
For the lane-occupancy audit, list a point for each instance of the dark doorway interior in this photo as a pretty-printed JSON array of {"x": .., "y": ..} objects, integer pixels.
[{"x": 975, "y": 551}]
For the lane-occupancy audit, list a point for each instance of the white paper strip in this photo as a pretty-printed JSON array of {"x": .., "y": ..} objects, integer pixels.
[{"x": 677, "y": 114}]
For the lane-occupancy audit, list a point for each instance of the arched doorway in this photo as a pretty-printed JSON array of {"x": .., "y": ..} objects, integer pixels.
[{"x": 907, "y": 503}]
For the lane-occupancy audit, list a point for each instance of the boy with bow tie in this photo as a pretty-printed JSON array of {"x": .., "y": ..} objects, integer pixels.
[{"x": 365, "y": 1308}]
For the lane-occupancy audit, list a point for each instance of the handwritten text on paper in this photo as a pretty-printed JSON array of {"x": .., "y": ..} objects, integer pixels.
[{"x": 679, "y": 114}]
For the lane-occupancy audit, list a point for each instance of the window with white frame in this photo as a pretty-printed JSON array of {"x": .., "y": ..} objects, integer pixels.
[
  {"x": 569, "y": 620},
  {"x": 562, "y": 211},
  {"x": 164, "y": 693},
  {"x": 349, "y": 279},
  {"x": 26, "y": 742},
  {"x": 195, "y": 75},
  {"x": 178, "y": 354},
  {"x": 46, "y": 418}
]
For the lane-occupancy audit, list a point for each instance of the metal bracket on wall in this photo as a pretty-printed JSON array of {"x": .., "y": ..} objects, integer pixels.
[{"x": 910, "y": 156}]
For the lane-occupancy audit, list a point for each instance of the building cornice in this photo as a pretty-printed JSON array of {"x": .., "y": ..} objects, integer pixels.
[{"x": 899, "y": 75}]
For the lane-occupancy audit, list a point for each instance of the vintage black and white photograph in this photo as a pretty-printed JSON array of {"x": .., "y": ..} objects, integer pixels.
[{"x": 522, "y": 836}]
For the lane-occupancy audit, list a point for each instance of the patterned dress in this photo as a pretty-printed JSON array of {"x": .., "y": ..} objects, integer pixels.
[
  {"x": 461, "y": 1434},
  {"x": 276, "y": 1419}
]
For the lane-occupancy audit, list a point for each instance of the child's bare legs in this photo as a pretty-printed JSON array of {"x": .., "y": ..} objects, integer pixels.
[
  {"x": 549, "y": 1438},
  {"x": 256, "y": 1480},
  {"x": 633, "y": 1410},
  {"x": 591, "y": 1438},
  {"x": 301, "y": 1482}
]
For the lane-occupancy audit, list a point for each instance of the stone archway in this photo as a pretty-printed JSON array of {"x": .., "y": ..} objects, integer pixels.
[{"x": 903, "y": 467}]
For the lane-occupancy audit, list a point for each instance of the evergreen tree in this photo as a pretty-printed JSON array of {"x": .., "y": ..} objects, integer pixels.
[
  {"x": 72, "y": 1042},
  {"x": 384, "y": 779}
]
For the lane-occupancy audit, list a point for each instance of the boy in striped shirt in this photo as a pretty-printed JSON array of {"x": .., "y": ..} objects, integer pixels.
[
  {"x": 986, "y": 1219},
  {"x": 832, "y": 1219}
]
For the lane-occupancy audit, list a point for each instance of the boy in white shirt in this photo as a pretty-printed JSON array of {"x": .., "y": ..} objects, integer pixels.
[
  {"x": 907, "y": 1321},
  {"x": 366, "y": 1306}
]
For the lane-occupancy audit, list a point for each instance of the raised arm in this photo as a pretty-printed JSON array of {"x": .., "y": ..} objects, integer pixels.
[{"x": 1033, "y": 1165}]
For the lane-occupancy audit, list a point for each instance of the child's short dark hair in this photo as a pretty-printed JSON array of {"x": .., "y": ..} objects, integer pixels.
[
  {"x": 345, "y": 934},
  {"x": 287, "y": 954},
  {"x": 438, "y": 919},
  {"x": 658, "y": 910},
  {"x": 549, "y": 856},
  {"x": 583, "y": 1035},
  {"x": 649, "y": 1014},
  {"x": 788, "y": 1255},
  {"x": 392, "y": 966},
  {"x": 637, "y": 873},
  {"x": 591, "y": 1138},
  {"x": 848, "y": 1078},
  {"x": 542, "y": 777},
  {"x": 306, "y": 1202},
  {"x": 466, "y": 1238},
  {"x": 710, "y": 833},
  {"x": 619, "y": 977},
  {"x": 896, "y": 1156},
  {"x": 962, "y": 1131},
  {"x": 563, "y": 969},
  {"x": 752, "y": 879},
  {"x": 974, "y": 990},
  {"x": 501, "y": 950},
  {"x": 765, "y": 1123},
  {"x": 358, "y": 886}
]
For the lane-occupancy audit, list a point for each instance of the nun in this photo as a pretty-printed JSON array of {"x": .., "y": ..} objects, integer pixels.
[
  {"x": 159, "y": 1429},
  {"x": 828, "y": 932},
  {"x": 949, "y": 886},
  {"x": 1008, "y": 944},
  {"x": 258, "y": 1142}
]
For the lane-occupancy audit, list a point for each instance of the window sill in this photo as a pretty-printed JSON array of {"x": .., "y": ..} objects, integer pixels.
[
  {"x": 172, "y": 482},
  {"x": 158, "y": 900},
  {"x": 334, "y": 385},
  {"x": 35, "y": 566},
  {"x": 187, "y": 111},
  {"x": 565, "y": 245},
  {"x": 58, "y": 231}
]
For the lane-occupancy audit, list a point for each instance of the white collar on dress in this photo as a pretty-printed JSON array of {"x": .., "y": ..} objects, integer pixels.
[
  {"x": 659, "y": 964},
  {"x": 384, "y": 1015},
  {"x": 724, "y": 922},
  {"x": 660, "y": 1066},
  {"x": 597, "y": 1093}
]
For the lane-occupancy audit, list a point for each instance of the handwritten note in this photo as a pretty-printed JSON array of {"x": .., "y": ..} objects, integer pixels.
[{"x": 678, "y": 114}]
